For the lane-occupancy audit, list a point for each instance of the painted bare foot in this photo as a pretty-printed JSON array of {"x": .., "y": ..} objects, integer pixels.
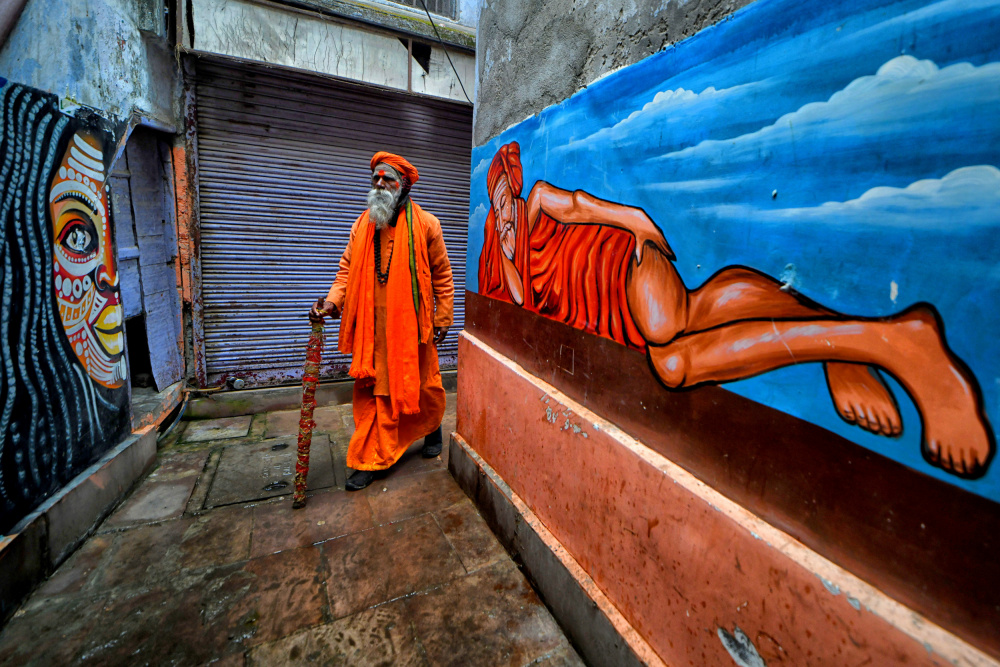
[
  {"x": 861, "y": 397},
  {"x": 957, "y": 436}
]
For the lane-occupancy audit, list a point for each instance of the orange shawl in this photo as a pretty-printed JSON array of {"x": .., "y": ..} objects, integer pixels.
[
  {"x": 574, "y": 274},
  {"x": 409, "y": 303}
]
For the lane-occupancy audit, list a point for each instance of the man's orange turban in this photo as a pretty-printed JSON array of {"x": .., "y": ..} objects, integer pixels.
[
  {"x": 506, "y": 161},
  {"x": 398, "y": 163}
]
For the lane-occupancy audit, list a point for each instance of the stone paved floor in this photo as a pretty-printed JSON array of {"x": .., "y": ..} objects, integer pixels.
[{"x": 201, "y": 566}]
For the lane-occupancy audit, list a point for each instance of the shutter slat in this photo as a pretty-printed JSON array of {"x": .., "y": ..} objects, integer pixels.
[{"x": 283, "y": 174}]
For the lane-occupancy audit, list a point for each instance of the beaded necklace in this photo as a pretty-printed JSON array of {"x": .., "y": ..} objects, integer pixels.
[{"x": 383, "y": 278}]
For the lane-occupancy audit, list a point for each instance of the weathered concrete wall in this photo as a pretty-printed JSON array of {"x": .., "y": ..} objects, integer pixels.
[
  {"x": 535, "y": 53},
  {"x": 699, "y": 577},
  {"x": 404, "y": 18},
  {"x": 468, "y": 12},
  {"x": 731, "y": 164},
  {"x": 93, "y": 53}
]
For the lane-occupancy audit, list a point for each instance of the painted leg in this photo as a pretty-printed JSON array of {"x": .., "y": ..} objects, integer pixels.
[
  {"x": 657, "y": 298},
  {"x": 909, "y": 346},
  {"x": 859, "y": 394}
]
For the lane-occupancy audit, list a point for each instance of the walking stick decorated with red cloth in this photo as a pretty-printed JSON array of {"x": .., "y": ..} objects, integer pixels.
[{"x": 310, "y": 376}]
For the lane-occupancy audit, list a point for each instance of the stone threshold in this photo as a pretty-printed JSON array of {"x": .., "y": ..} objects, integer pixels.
[
  {"x": 270, "y": 399},
  {"x": 593, "y": 624}
]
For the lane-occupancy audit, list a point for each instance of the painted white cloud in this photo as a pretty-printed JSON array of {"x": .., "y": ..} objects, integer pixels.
[
  {"x": 697, "y": 185},
  {"x": 905, "y": 92},
  {"x": 969, "y": 196},
  {"x": 481, "y": 168},
  {"x": 478, "y": 214},
  {"x": 666, "y": 107}
]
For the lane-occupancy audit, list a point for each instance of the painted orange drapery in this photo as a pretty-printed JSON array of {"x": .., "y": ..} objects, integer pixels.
[
  {"x": 574, "y": 274},
  {"x": 398, "y": 396}
]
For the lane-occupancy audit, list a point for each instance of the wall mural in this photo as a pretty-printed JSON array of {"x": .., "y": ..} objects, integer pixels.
[
  {"x": 63, "y": 393},
  {"x": 801, "y": 203}
]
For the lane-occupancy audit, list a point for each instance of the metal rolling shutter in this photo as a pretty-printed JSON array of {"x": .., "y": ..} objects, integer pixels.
[{"x": 283, "y": 173}]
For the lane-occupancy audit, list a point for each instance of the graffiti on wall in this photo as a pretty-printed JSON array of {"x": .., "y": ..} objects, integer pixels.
[
  {"x": 63, "y": 393},
  {"x": 791, "y": 208}
]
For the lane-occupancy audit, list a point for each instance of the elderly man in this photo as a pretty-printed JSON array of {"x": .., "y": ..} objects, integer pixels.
[{"x": 394, "y": 295}]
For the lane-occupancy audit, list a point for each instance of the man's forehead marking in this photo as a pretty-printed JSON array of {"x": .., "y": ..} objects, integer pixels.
[{"x": 385, "y": 170}]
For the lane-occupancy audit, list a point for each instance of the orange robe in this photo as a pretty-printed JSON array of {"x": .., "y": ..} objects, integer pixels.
[
  {"x": 574, "y": 274},
  {"x": 399, "y": 398}
]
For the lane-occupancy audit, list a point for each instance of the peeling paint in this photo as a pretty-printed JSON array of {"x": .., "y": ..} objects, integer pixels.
[
  {"x": 135, "y": 71},
  {"x": 550, "y": 416},
  {"x": 830, "y": 586},
  {"x": 740, "y": 648}
]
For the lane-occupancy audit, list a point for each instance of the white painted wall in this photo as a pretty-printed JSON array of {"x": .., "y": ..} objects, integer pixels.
[
  {"x": 440, "y": 80},
  {"x": 310, "y": 42},
  {"x": 303, "y": 41}
]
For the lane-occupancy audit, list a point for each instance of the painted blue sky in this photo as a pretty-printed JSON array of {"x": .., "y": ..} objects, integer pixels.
[{"x": 851, "y": 149}]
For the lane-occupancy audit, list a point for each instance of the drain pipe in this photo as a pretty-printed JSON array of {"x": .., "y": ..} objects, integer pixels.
[
  {"x": 177, "y": 420},
  {"x": 187, "y": 391}
]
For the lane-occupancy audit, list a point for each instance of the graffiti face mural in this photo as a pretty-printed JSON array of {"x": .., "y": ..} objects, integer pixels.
[
  {"x": 86, "y": 280},
  {"x": 63, "y": 393},
  {"x": 801, "y": 225}
]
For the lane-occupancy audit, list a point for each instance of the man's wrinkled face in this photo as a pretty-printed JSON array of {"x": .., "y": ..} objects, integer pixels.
[
  {"x": 85, "y": 277},
  {"x": 384, "y": 195},
  {"x": 385, "y": 178}
]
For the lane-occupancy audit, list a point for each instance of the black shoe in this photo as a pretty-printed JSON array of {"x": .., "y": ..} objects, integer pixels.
[
  {"x": 359, "y": 480},
  {"x": 432, "y": 445}
]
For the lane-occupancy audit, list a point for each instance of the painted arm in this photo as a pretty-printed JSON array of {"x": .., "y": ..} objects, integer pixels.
[
  {"x": 512, "y": 278},
  {"x": 582, "y": 208}
]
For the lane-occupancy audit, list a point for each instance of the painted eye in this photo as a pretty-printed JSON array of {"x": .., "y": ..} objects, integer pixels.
[
  {"x": 78, "y": 240},
  {"x": 79, "y": 237}
]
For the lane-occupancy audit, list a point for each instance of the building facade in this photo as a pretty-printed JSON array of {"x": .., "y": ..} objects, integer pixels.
[
  {"x": 181, "y": 178},
  {"x": 728, "y": 353}
]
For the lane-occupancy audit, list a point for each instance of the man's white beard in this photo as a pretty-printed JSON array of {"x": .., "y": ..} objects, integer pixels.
[{"x": 381, "y": 206}]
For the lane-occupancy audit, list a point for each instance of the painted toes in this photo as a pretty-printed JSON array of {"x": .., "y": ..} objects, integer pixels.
[
  {"x": 848, "y": 414},
  {"x": 932, "y": 452},
  {"x": 862, "y": 418},
  {"x": 885, "y": 421}
]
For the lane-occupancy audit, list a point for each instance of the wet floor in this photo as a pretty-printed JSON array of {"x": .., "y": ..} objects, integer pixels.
[{"x": 206, "y": 563}]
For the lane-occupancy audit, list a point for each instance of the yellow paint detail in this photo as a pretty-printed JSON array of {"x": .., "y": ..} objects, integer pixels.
[
  {"x": 109, "y": 320},
  {"x": 113, "y": 343}
]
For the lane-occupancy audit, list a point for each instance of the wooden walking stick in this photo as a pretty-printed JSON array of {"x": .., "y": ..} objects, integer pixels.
[{"x": 310, "y": 376}]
